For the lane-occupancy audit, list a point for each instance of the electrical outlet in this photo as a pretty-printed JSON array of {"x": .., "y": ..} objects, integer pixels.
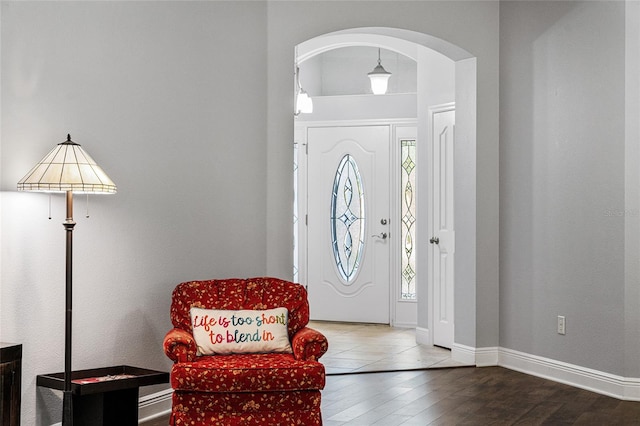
[{"x": 562, "y": 325}]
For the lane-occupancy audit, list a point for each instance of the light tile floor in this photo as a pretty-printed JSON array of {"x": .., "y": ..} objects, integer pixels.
[{"x": 355, "y": 348}]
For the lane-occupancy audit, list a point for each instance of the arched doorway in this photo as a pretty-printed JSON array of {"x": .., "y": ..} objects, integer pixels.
[{"x": 417, "y": 46}]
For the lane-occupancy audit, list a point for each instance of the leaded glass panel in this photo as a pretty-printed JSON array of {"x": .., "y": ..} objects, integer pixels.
[
  {"x": 408, "y": 214},
  {"x": 347, "y": 219}
]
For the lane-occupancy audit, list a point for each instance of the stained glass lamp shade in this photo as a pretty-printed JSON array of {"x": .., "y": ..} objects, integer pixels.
[{"x": 67, "y": 167}]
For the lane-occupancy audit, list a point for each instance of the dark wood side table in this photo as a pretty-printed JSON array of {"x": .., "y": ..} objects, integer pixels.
[
  {"x": 105, "y": 396},
  {"x": 10, "y": 383}
]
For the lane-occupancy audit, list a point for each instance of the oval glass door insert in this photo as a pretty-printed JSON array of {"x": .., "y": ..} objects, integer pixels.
[{"x": 347, "y": 219}]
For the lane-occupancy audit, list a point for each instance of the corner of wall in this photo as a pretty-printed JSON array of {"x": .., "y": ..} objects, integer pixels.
[{"x": 632, "y": 191}]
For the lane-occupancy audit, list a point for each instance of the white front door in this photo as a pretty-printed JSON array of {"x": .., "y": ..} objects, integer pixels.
[
  {"x": 442, "y": 226},
  {"x": 348, "y": 223}
]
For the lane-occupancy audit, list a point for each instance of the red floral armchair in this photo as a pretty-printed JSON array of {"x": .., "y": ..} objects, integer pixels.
[{"x": 245, "y": 388}]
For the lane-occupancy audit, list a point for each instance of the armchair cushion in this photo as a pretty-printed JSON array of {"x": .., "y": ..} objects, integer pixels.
[
  {"x": 247, "y": 373},
  {"x": 240, "y": 331}
]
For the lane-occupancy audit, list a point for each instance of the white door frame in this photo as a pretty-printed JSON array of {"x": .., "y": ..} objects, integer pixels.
[{"x": 300, "y": 137}]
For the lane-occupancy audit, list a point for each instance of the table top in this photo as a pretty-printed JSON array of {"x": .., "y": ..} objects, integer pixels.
[{"x": 98, "y": 380}]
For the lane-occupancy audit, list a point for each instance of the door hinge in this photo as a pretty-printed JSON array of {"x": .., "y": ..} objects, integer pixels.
[
  {"x": 306, "y": 148},
  {"x": 306, "y": 219}
]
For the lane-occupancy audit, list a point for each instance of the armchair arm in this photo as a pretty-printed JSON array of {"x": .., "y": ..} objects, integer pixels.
[
  {"x": 179, "y": 345},
  {"x": 309, "y": 344}
]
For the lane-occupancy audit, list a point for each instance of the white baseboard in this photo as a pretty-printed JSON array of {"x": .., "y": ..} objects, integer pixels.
[
  {"x": 487, "y": 357},
  {"x": 463, "y": 354},
  {"x": 408, "y": 325},
  {"x": 624, "y": 388},
  {"x": 154, "y": 405},
  {"x": 423, "y": 336}
]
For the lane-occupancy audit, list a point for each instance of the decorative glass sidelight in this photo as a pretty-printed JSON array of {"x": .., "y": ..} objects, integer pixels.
[
  {"x": 408, "y": 214},
  {"x": 347, "y": 219}
]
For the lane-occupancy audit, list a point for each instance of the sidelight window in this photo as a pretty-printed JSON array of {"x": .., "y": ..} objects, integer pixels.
[{"x": 408, "y": 214}]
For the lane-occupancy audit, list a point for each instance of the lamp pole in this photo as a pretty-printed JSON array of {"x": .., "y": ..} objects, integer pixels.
[{"x": 67, "y": 401}]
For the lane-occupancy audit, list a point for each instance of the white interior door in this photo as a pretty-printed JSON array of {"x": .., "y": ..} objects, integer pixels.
[
  {"x": 442, "y": 227},
  {"x": 348, "y": 223}
]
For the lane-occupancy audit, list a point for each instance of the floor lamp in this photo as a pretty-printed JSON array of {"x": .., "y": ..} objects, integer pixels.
[{"x": 67, "y": 168}]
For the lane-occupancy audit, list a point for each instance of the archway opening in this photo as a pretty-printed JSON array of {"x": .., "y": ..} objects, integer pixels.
[{"x": 418, "y": 48}]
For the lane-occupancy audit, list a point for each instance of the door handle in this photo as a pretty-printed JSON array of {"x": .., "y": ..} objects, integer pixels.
[
  {"x": 382, "y": 236},
  {"x": 434, "y": 240}
]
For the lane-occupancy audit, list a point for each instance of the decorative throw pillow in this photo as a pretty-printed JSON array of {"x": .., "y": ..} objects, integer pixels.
[{"x": 243, "y": 331}]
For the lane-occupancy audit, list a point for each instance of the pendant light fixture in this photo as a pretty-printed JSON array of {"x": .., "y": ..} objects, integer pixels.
[
  {"x": 379, "y": 78},
  {"x": 304, "y": 104}
]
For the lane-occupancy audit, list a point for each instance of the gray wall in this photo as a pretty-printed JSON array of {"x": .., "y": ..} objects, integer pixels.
[
  {"x": 562, "y": 182},
  {"x": 169, "y": 98}
]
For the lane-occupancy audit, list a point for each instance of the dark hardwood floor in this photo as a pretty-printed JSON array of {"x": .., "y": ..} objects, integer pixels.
[{"x": 464, "y": 396}]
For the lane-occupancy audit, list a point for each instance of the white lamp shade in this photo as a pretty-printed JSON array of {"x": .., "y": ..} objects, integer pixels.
[
  {"x": 379, "y": 80},
  {"x": 67, "y": 168},
  {"x": 379, "y": 83},
  {"x": 304, "y": 104}
]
